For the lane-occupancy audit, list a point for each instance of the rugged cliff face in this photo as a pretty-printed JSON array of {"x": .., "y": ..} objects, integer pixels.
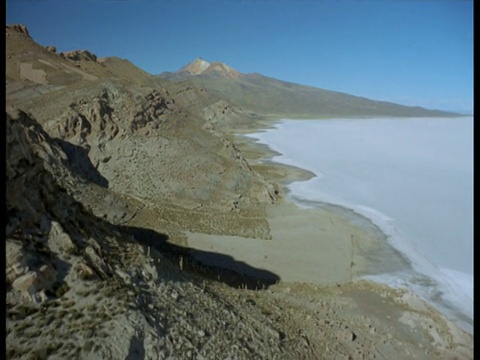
[
  {"x": 104, "y": 175},
  {"x": 81, "y": 285},
  {"x": 151, "y": 148}
]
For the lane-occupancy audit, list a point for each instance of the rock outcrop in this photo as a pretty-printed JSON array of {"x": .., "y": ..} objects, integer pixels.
[
  {"x": 36, "y": 283},
  {"x": 51, "y": 49},
  {"x": 78, "y": 55},
  {"x": 19, "y": 28}
]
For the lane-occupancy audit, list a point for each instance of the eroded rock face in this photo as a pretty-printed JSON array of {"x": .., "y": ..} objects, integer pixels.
[
  {"x": 148, "y": 146},
  {"x": 36, "y": 282},
  {"x": 78, "y": 55},
  {"x": 16, "y": 261},
  {"x": 51, "y": 49},
  {"x": 156, "y": 104},
  {"x": 59, "y": 241},
  {"x": 88, "y": 122},
  {"x": 30, "y": 153},
  {"x": 59, "y": 254},
  {"x": 19, "y": 28},
  {"x": 96, "y": 262}
]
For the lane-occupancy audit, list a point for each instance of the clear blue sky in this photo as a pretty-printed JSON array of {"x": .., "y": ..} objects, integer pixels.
[{"x": 413, "y": 52}]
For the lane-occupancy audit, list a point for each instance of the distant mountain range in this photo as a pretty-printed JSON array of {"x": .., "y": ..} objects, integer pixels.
[{"x": 279, "y": 98}]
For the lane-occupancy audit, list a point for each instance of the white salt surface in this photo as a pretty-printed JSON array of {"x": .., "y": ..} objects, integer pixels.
[{"x": 413, "y": 177}]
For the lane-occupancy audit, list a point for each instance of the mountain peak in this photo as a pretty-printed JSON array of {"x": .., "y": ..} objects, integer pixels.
[
  {"x": 200, "y": 67},
  {"x": 196, "y": 67}
]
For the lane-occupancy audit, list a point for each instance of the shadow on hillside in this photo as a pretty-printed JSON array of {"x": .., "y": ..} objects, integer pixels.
[
  {"x": 40, "y": 198},
  {"x": 79, "y": 163},
  {"x": 214, "y": 266},
  {"x": 136, "y": 350}
]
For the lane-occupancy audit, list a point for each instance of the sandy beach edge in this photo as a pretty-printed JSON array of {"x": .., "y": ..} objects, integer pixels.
[
  {"x": 323, "y": 249},
  {"x": 378, "y": 257}
]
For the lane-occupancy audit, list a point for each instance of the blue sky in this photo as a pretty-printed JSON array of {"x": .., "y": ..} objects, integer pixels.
[{"x": 413, "y": 52}]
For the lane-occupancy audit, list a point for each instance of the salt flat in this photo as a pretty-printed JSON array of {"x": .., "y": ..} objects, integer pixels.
[{"x": 412, "y": 177}]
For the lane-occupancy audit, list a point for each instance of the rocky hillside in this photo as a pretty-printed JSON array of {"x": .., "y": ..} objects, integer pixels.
[
  {"x": 80, "y": 284},
  {"x": 96, "y": 162},
  {"x": 161, "y": 143},
  {"x": 100, "y": 164},
  {"x": 284, "y": 99},
  {"x": 107, "y": 168}
]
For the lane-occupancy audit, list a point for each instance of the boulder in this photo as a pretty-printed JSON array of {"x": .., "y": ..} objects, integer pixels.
[
  {"x": 34, "y": 282},
  {"x": 51, "y": 49},
  {"x": 59, "y": 241},
  {"x": 84, "y": 271},
  {"x": 16, "y": 261},
  {"x": 96, "y": 262},
  {"x": 77, "y": 55}
]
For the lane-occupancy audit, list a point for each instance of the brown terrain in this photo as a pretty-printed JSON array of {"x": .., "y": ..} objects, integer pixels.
[{"x": 112, "y": 172}]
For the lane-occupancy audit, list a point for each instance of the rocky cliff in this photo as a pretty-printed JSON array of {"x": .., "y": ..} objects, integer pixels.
[{"x": 81, "y": 285}]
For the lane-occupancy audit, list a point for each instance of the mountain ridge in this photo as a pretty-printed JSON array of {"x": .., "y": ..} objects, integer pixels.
[
  {"x": 270, "y": 96},
  {"x": 200, "y": 66}
]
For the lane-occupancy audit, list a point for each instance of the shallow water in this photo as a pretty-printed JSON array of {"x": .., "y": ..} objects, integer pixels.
[{"x": 412, "y": 177}]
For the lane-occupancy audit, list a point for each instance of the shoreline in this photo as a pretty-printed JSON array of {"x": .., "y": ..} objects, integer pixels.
[
  {"x": 328, "y": 254},
  {"x": 389, "y": 266},
  {"x": 317, "y": 277},
  {"x": 407, "y": 272},
  {"x": 336, "y": 243},
  {"x": 427, "y": 257}
]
